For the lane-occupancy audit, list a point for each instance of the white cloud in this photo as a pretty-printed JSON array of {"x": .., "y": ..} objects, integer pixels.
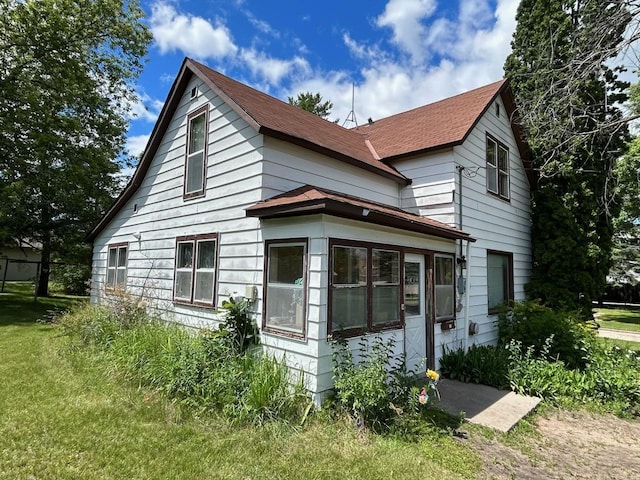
[
  {"x": 136, "y": 145},
  {"x": 145, "y": 108},
  {"x": 273, "y": 69},
  {"x": 192, "y": 35},
  {"x": 473, "y": 46},
  {"x": 404, "y": 17}
]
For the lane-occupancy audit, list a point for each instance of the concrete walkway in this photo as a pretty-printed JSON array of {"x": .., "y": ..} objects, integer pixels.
[
  {"x": 619, "y": 334},
  {"x": 484, "y": 405}
]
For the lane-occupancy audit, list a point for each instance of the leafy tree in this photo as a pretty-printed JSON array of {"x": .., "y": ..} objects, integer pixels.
[
  {"x": 567, "y": 97},
  {"x": 67, "y": 72},
  {"x": 312, "y": 103}
]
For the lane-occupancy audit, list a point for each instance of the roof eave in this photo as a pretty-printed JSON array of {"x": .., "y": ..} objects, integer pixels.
[
  {"x": 165, "y": 117},
  {"x": 353, "y": 212}
]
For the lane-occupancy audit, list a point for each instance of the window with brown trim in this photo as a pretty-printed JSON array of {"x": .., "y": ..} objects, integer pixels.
[
  {"x": 196, "y": 156},
  {"x": 497, "y": 168},
  {"x": 285, "y": 291},
  {"x": 444, "y": 287},
  {"x": 195, "y": 272},
  {"x": 499, "y": 279},
  {"x": 365, "y": 290},
  {"x": 117, "y": 265}
]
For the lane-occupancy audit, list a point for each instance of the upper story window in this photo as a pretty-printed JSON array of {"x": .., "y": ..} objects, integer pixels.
[
  {"x": 497, "y": 168},
  {"x": 285, "y": 297},
  {"x": 117, "y": 265},
  {"x": 195, "y": 275},
  {"x": 196, "y": 161}
]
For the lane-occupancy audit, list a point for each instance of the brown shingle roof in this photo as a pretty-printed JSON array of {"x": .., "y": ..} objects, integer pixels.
[
  {"x": 437, "y": 125},
  {"x": 308, "y": 200},
  {"x": 433, "y": 126},
  {"x": 276, "y": 118}
]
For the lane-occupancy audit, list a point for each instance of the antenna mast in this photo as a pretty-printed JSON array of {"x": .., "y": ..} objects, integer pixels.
[{"x": 352, "y": 114}]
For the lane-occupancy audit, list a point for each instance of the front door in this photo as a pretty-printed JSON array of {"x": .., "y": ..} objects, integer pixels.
[{"x": 416, "y": 312}]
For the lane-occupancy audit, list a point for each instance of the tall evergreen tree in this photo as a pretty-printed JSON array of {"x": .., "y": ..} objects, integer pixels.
[
  {"x": 567, "y": 101},
  {"x": 67, "y": 73}
]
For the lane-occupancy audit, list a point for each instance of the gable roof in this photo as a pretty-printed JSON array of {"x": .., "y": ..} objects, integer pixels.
[
  {"x": 437, "y": 125},
  {"x": 309, "y": 200},
  {"x": 367, "y": 147}
]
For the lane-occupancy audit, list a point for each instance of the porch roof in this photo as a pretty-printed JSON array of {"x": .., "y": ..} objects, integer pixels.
[{"x": 309, "y": 200}]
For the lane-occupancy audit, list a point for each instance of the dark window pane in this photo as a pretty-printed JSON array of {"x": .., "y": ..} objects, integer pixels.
[
  {"x": 349, "y": 266},
  {"x": 196, "y": 134},
  {"x": 412, "y": 288},
  {"x": 386, "y": 267},
  {"x": 286, "y": 263},
  {"x": 206, "y": 254},
  {"x": 185, "y": 255}
]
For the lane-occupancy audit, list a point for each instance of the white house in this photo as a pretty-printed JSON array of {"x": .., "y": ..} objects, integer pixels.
[{"x": 415, "y": 226}]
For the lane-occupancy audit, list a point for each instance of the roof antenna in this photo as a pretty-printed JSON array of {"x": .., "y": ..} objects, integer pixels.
[{"x": 352, "y": 114}]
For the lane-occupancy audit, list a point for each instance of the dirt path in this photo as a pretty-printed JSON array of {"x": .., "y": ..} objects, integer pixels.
[{"x": 569, "y": 446}]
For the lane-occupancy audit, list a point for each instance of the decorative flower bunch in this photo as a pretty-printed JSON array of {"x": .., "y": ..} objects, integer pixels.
[{"x": 432, "y": 386}]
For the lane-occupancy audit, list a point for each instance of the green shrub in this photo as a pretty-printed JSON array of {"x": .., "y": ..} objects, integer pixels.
[
  {"x": 611, "y": 378},
  {"x": 74, "y": 279},
  {"x": 375, "y": 387},
  {"x": 532, "y": 324},
  {"x": 239, "y": 322},
  {"x": 486, "y": 364}
]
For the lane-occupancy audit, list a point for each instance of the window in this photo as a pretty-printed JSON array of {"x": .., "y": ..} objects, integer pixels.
[
  {"x": 196, "y": 162},
  {"x": 412, "y": 288},
  {"x": 444, "y": 288},
  {"x": 364, "y": 288},
  {"x": 285, "y": 287},
  {"x": 499, "y": 279},
  {"x": 497, "y": 168},
  {"x": 117, "y": 265},
  {"x": 195, "y": 274}
]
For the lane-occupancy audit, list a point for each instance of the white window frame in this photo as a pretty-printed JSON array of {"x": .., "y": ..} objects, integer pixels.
[
  {"x": 193, "y": 270},
  {"x": 496, "y": 170},
  {"x": 201, "y": 112},
  {"x": 117, "y": 267}
]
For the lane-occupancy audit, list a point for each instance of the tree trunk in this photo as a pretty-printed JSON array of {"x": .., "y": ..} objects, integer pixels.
[{"x": 43, "y": 279}]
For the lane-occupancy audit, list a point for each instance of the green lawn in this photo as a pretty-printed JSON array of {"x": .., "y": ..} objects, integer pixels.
[
  {"x": 618, "y": 319},
  {"x": 64, "y": 415}
]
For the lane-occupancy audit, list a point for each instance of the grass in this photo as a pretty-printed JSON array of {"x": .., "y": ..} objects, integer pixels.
[
  {"x": 66, "y": 415},
  {"x": 618, "y": 319},
  {"x": 624, "y": 344}
]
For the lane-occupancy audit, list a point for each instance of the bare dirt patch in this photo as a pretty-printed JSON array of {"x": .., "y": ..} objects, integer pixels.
[{"x": 568, "y": 445}]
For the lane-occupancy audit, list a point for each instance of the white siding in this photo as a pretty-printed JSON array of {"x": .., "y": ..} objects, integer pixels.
[
  {"x": 288, "y": 166},
  {"x": 496, "y": 224},
  {"x": 233, "y": 182}
]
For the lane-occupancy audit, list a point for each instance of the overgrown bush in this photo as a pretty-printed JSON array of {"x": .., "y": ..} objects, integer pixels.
[
  {"x": 532, "y": 324},
  {"x": 74, "y": 279},
  {"x": 240, "y": 324},
  {"x": 201, "y": 370},
  {"x": 610, "y": 379},
  {"x": 479, "y": 364},
  {"x": 374, "y": 387}
]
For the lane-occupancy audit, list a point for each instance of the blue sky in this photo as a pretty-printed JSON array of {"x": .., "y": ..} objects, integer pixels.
[{"x": 400, "y": 54}]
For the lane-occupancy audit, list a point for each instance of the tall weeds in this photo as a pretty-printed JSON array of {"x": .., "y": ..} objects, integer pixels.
[{"x": 205, "y": 371}]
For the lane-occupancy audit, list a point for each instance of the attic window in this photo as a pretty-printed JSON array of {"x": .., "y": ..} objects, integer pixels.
[
  {"x": 497, "y": 109},
  {"x": 194, "y": 93}
]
